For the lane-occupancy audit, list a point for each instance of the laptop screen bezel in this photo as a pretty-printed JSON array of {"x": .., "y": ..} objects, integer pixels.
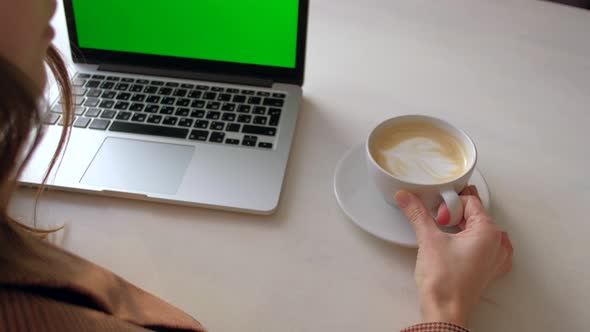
[{"x": 274, "y": 74}]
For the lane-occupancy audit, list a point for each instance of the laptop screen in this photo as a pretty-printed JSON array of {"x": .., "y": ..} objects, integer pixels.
[{"x": 256, "y": 32}]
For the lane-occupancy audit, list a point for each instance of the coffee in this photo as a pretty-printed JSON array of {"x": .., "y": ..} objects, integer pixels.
[{"x": 418, "y": 151}]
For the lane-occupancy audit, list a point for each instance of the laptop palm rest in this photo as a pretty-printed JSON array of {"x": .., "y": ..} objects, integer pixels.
[{"x": 138, "y": 166}]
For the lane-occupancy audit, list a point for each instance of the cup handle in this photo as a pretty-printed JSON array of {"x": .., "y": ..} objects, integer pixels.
[{"x": 454, "y": 205}]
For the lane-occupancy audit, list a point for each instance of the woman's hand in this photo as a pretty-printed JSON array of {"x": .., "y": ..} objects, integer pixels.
[{"x": 454, "y": 270}]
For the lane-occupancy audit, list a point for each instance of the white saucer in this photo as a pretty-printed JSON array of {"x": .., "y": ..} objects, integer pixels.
[{"x": 365, "y": 206}]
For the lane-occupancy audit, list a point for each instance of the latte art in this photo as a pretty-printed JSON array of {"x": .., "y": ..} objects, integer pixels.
[{"x": 419, "y": 152}]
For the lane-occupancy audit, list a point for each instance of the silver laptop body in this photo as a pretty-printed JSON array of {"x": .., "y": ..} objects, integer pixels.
[{"x": 239, "y": 170}]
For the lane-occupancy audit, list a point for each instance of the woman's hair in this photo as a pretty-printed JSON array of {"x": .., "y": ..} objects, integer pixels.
[{"x": 22, "y": 112}]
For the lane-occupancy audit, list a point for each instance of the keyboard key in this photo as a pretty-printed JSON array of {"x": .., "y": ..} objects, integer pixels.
[
  {"x": 213, "y": 105},
  {"x": 263, "y": 93},
  {"x": 92, "y": 102},
  {"x": 203, "y": 124},
  {"x": 244, "y": 108},
  {"x": 51, "y": 119},
  {"x": 139, "y": 117},
  {"x": 99, "y": 124},
  {"x": 198, "y": 104},
  {"x": 259, "y": 130},
  {"x": 154, "y": 119},
  {"x": 212, "y": 115},
  {"x": 107, "y": 104},
  {"x": 113, "y": 78},
  {"x": 228, "y": 107},
  {"x": 138, "y": 97},
  {"x": 93, "y": 112},
  {"x": 127, "y": 80},
  {"x": 123, "y": 96},
  {"x": 170, "y": 120},
  {"x": 244, "y": 118},
  {"x": 195, "y": 94},
  {"x": 136, "y": 107},
  {"x": 182, "y": 111},
  {"x": 136, "y": 88},
  {"x": 217, "y": 125},
  {"x": 168, "y": 101},
  {"x": 210, "y": 96},
  {"x": 167, "y": 110},
  {"x": 197, "y": 114},
  {"x": 78, "y": 110},
  {"x": 185, "y": 122},
  {"x": 165, "y": 91},
  {"x": 187, "y": 86},
  {"x": 83, "y": 75},
  {"x": 153, "y": 99},
  {"x": 78, "y": 91},
  {"x": 142, "y": 82},
  {"x": 152, "y": 109},
  {"x": 199, "y": 135},
  {"x": 107, "y": 85},
  {"x": 217, "y": 137},
  {"x": 260, "y": 110},
  {"x": 254, "y": 100},
  {"x": 145, "y": 129},
  {"x": 232, "y": 90},
  {"x": 121, "y": 105},
  {"x": 224, "y": 97},
  {"x": 239, "y": 99},
  {"x": 202, "y": 87},
  {"x": 273, "y": 102},
  {"x": 246, "y": 142},
  {"x": 57, "y": 109},
  {"x": 94, "y": 93},
  {"x": 228, "y": 117},
  {"x": 122, "y": 86},
  {"x": 260, "y": 120},
  {"x": 150, "y": 89},
  {"x": 158, "y": 83},
  {"x": 123, "y": 116},
  {"x": 248, "y": 92},
  {"x": 108, "y": 114},
  {"x": 180, "y": 92},
  {"x": 265, "y": 145},
  {"x": 98, "y": 77},
  {"x": 183, "y": 102},
  {"x": 232, "y": 141},
  {"x": 217, "y": 89},
  {"x": 233, "y": 127},
  {"x": 274, "y": 111},
  {"x": 109, "y": 95},
  {"x": 275, "y": 116},
  {"x": 92, "y": 84},
  {"x": 172, "y": 84}
]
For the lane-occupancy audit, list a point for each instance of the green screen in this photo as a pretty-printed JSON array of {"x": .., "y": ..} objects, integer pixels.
[{"x": 260, "y": 32}]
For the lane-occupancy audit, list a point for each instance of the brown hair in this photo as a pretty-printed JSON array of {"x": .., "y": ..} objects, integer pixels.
[{"x": 21, "y": 122}]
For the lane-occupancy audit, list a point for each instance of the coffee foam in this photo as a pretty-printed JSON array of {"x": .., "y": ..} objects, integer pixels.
[{"x": 420, "y": 152}]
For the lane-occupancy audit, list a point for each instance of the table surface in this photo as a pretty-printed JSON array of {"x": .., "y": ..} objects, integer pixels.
[{"x": 514, "y": 74}]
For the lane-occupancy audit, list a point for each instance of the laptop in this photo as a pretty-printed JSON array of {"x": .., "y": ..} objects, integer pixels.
[{"x": 184, "y": 102}]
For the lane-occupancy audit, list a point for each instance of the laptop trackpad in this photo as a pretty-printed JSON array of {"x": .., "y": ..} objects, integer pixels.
[{"x": 139, "y": 166}]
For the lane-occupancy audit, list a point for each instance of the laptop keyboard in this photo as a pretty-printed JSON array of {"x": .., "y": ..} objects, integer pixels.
[{"x": 196, "y": 112}]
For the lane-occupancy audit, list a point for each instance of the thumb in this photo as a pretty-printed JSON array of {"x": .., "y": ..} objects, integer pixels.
[{"x": 417, "y": 214}]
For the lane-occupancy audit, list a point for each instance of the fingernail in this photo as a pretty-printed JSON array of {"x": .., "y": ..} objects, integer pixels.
[{"x": 402, "y": 199}]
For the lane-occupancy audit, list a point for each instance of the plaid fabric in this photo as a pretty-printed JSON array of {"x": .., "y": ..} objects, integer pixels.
[{"x": 435, "y": 327}]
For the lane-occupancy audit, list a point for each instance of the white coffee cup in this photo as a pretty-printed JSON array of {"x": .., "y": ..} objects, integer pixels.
[{"x": 432, "y": 194}]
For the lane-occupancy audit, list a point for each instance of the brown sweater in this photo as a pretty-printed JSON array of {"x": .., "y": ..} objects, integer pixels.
[{"x": 44, "y": 288}]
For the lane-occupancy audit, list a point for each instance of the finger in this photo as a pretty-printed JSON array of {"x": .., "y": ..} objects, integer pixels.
[
  {"x": 417, "y": 214},
  {"x": 443, "y": 216},
  {"x": 467, "y": 191},
  {"x": 474, "y": 211}
]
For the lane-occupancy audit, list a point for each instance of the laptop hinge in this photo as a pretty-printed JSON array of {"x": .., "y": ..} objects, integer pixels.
[{"x": 187, "y": 75}]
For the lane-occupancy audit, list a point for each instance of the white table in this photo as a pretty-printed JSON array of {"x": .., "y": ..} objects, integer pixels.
[{"x": 515, "y": 74}]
